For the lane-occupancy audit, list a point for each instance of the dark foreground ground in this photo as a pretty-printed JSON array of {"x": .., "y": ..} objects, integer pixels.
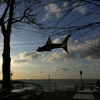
[{"x": 57, "y": 95}]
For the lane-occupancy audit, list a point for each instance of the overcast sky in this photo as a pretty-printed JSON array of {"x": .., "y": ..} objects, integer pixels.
[{"x": 27, "y": 63}]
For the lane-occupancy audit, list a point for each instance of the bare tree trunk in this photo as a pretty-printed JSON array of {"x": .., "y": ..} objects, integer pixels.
[
  {"x": 6, "y": 51},
  {"x": 6, "y": 62}
]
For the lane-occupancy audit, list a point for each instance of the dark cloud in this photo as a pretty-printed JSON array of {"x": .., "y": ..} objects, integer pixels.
[
  {"x": 19, "y": 61},
  {"x": 40, "y": 72}
]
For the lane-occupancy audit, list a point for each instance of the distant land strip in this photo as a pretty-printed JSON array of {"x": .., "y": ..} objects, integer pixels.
[{"x": 14, "y": 82}]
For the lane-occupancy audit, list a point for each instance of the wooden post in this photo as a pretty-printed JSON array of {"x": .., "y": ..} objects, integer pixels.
[{"x": 49, "y": 84}]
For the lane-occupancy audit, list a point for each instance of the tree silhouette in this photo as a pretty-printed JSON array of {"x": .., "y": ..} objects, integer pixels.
[
  {"x": 16, "y": 12},
  {"x": 93, "y": 9},
  {"x": 79, "y": 25}
]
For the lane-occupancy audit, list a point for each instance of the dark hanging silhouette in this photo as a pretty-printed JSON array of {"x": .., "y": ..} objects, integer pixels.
[{"x": 49, "y": 45}]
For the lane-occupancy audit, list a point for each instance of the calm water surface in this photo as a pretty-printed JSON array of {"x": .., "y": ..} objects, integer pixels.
[{"x": 61, "y": 83}]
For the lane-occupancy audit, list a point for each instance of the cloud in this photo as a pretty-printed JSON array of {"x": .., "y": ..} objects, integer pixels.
[
  {"x": 25, "y": 42},
  {"x": 35, "y": 66},
  {"x": 70, "y": 41},
  {"x": 54, "y": 9},
  {"x": 40, "y": 72},
  {"x": 23, "y": 46},
  {"x": 81, "y": 9},
  {"x": 48, "y": 59},
  {"x": 89, "y": 55},
  {"x": 77, "y": 66},
  {"x": 30, "y": 55},
  {"x": 58, "y": 40},
  {"x": 19, "y": 61},
  {"x": 61, "y": 56},
  {"x": 89, "y": 50},
  {"x": 64, "y": 56},
  {"x": 60, "y": 69},
  {"x": 65, "y": 4},
  {"x": 93, "y": 64}
]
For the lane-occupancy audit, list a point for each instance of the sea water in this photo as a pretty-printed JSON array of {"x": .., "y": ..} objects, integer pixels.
[{"x": 60, "y": 83}]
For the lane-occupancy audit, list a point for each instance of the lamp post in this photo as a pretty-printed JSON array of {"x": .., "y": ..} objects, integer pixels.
[
  {"x": 81, "y": 76},
  {"x": 11, "y": 74}
]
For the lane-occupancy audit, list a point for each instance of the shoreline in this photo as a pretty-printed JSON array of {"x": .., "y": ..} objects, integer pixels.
[{"x": 14, "y": 82}]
